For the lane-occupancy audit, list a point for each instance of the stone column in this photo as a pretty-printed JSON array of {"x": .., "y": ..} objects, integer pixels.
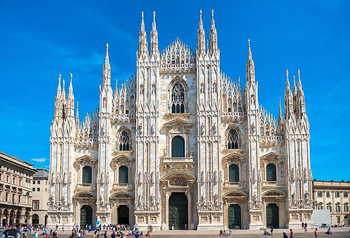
[{"x": 22, "y": 216}]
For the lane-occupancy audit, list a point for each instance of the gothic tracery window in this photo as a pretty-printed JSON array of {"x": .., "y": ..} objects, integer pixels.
[
  {"x": 232, "y": 139},
  {"x": 124, "y": 141},
  {"x": 177, "y": 99}
]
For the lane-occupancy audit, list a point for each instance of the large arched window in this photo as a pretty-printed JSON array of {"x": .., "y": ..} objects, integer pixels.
[
  {"x": 178, "y": 99},
  {"x": 232, "y": 139},
  {"x": 123, "y": 174},
  {"x": 178, "y": 147},
  {"x": 233, "y": 173},
  {"x": 87, "y": 174},
  {"x": 271, "y": 172},
  {"x": 124, "y": 141}
]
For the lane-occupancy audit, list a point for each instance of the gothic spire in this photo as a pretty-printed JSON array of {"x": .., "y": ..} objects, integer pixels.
[
  {"x": 77, "y": 114},
  {"x": 154, "y": 36},
  {"x": 280, "y": 110},
  {"x": 299, "y": 82},
  {"x": 59, "y": 86},
  {"x": 143, "y": 48},
  {"x": 213, "y": 39},
  {"x": 250, "y": 66},
  {"x": 63, "y": 89},
  {"x": 106, "y": 78},
  {"x": 70, "y": 90},
  {"x": 288, "y": 99},
  {"x": 200, "y": 36},
  {"x": 294, "y": 87}
]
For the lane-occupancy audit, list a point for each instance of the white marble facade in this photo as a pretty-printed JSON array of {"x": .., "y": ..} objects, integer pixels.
[{"x": 180, "y": 134}]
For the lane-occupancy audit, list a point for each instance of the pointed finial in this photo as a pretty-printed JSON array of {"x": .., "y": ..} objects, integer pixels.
[
  {"x": 299, "y": 81},
  {"x": 280, "y": 107},
  {"x": 249, "y": 44},
  {"x": 71, "y": 77},
  {"x": 59, "y": 85},
  {"x": 77, "y": 112},
  {"x": 287, "y": 80},
  {"x": 200, "y": 20},
  {"x": 212, "y": 13},
  {"x": 154, "y": 16}
]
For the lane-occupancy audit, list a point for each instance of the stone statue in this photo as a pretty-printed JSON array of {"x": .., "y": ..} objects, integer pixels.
[{"x": 202, "y": 128}]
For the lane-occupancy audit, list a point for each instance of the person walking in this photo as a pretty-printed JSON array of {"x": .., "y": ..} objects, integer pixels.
[
  {"x": 271, "y": 231},
  {"x": 291, "y": 233},
  {"x": 316, "y": 233},
  {"x": 285, "y": 234}
]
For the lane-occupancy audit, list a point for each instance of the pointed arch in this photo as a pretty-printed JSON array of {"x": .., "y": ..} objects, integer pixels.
[
  {"x": 233, "y": 140},
  {"x": 124, "y": 140}
]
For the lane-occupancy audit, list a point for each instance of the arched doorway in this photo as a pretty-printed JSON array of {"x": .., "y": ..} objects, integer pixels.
[
  {"x": 234, "y": 217},
  {"x": 123, "y": 215},
  {"x": 35, "y": 219},
  {"x": 178, "y": 211},
  {"x": 85, "y": 215},
  {"x": 272, "y": 215}
]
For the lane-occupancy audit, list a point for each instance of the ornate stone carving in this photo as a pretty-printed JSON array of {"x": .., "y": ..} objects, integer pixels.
[{"x": 178, "y": 181}]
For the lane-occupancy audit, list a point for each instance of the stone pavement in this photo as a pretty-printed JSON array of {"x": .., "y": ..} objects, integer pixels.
[{"x": 339, "y": 232}]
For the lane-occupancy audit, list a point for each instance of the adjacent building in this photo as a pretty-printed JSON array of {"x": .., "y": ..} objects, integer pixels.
[
  {"x": 334, "y": 196},
  {"x": 16, "y": 178},
  {"x": 181, "y": 144},
  {"x": 40, "y": 196}
]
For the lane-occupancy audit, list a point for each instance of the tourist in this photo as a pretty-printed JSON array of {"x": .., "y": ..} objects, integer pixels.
[
  {"x": 291, "y": 233},
  {"x": 329, "y": 231},
  {"x": 266, "y": 233},
  {"x": 271, "y": 231},
  {"x": 220, "y": 234},
  {"x": 113, "y": 235},
  {"x": 305, "y": 227},
  {"x": 316, "y": 233},
  {"x": 285, "y": 234}
]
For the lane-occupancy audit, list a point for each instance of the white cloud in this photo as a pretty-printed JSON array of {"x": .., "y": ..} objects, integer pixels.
[{"x": 40, "y": 160}]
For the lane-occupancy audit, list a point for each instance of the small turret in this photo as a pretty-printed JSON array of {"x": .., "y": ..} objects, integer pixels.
[
  {"x": 143, "y": 46},
  {"x": 106, "y": 78},
  {"x": 288, "y": 100},
  {"x": 200, "y": 36},
  {"x": 154, "y": 37},
  {"x": 213, "y": 39},
  {"x": 250, "y": 66}
]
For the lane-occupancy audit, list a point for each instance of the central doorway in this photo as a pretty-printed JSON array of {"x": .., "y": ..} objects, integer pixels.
[
  {"x": 123, "y": 215},
  {"x": 85, "y": 216},
  {"x": 272, "y": 216},
  {"x": 178, "y": 211},
  {"x": 234, "y": 217}
]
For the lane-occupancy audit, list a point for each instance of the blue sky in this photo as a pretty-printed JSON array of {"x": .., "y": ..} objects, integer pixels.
[{"x": 40, "y": 39}]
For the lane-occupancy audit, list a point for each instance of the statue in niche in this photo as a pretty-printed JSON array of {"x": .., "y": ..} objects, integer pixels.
[
  {"x": 164, "y": 152},
  {"x": 190, "y": 154},
  {"x": 215, "y": 177},
  {"x": 214, "y": 129},
  {"x": 103, "y": 130},
  {"x": 202, "y": 88},
  {"x": 202, "y": 128},
  {"x": 102, "y": 178},
  {"x": 140, "y": 178},
  {"x": 152, "y": 178},
  {"x": 152, "y": 129},
  {"x": 140, "y": 129},
  {"x": 253, "y": 128},
  {"x": 202, "y": 177},
  {"x": 153, "y": 89},
  {"x": 253, "y": 99}
]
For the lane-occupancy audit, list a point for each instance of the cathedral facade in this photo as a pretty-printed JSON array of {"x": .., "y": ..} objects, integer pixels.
[{"x": 180, "y": 145}]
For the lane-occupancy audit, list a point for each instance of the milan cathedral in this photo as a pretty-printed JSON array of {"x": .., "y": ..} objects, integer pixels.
[{"x": 180, "y": 145}]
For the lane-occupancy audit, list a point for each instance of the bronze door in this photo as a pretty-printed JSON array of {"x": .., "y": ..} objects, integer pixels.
[
  {"x": 234, "y": 217},
  {"x": 178, "y": 211}
]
